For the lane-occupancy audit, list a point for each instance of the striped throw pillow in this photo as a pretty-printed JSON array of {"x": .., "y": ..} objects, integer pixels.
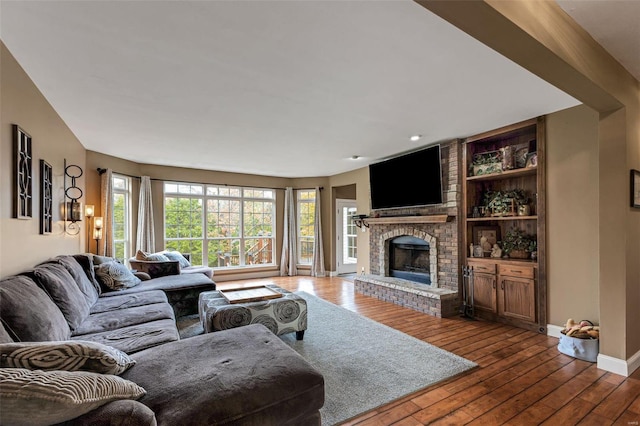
[
  {"x": 72, "y": 355},
  {"x": 38, "y": 397}
]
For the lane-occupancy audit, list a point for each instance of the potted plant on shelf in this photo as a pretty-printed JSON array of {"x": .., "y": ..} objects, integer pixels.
[
  {"x": 518, "y": 245},
  {"x": 505, "y": 203}
]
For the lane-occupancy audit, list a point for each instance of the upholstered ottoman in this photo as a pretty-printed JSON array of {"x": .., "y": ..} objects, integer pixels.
[{"x": 283, "y": 315}]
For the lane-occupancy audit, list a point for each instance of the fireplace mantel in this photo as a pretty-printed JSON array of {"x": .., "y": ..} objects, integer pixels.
[{"x": 435, "y": 218}]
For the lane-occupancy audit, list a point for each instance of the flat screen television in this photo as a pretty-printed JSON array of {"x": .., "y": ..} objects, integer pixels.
[{"x": 410, "y": 180}]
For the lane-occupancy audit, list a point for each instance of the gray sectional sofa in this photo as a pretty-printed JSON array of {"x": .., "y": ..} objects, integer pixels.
[{"x": 244, "y": 376}]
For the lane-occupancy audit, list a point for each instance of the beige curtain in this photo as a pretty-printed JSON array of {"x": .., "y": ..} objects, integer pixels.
[
  {"x": 105, "y": 248},
  {"x": 317, "y": 264},
  {"x": 289, "y": 258},
  {"x": 145, "y": 235}
]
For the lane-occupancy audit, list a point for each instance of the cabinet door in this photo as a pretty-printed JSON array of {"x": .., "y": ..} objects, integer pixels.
[
  {"x": 517, "y": 298},
  {"x": 484, "y": 292}
]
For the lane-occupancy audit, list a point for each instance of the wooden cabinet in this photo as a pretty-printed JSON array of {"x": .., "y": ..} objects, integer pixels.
[
  {"x": 510, "y": 160},
  {"x": 516, "y": 298}
]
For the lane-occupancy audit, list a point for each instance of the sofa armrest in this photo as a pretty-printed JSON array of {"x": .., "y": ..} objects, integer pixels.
[
  {"x": 156, "y": 269},
  {"x": 121, "y": 413}
]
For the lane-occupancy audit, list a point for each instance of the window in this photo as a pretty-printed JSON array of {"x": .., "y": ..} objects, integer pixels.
[
  {"x": 220, "y": 226},
  {"x": 306, "y": 225},
  {"x": 121, "y": 217}
]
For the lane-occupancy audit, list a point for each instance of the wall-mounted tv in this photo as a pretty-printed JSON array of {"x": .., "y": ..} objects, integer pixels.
[{"x": 410, "y": 180}]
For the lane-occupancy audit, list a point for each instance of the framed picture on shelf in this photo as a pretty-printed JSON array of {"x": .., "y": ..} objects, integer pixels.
[
  {"x": 486, "y": 237},
  {"x": 635, "y": 188}
]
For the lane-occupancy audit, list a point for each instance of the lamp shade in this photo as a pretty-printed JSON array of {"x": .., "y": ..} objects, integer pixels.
[
  {"x": 89, "y": 210},
  {"x": 97, "y": 234},
  {"x": 97, "y": 222}
]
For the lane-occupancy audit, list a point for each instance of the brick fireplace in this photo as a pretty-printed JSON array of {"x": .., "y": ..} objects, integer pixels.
[{"x": 434, "y": 226}]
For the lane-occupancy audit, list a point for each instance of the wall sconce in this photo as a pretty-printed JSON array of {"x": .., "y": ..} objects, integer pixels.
[
  {"x": 360, "y": 222},
  {"x": 89, "y": 211},
  {"x": 74, "y": 211},
  {"x": 72, "y": 192},
  {"x": 97, "y": 232}
]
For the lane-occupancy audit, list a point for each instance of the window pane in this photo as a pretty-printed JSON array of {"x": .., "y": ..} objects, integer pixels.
[
  {"x": 224, "y": 252},
  {"x": 258, "y": 251},
  {"x": 259, "y": 193},
  {"x": 258, "y": 218},
  {"x": 183, "y": 216},
  {"x": 306, "y": 250},
  {"x": 223, "y": 218}
]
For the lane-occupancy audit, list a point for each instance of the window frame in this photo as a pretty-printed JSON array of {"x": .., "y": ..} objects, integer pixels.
[
  {"x": 300, "y": 201},
  {"x": 127, "y": 241},
  {"x": 233, "y": 193}
]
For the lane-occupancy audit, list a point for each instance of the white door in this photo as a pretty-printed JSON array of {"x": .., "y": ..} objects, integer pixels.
[{"x": 347, "y": 237}]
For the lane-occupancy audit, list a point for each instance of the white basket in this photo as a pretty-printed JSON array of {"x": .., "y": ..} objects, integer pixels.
[{"x": 584, "y": 349}]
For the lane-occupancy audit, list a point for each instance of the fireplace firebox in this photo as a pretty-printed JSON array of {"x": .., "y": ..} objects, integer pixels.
[{"x": 409, "y": 259}]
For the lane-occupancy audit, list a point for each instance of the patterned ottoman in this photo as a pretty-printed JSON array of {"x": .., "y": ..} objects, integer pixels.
[{"x": 282, "y": 315}]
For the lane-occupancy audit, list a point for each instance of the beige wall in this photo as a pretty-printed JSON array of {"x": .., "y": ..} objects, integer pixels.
[
  {"x": 21, "y": 245},
  {"x": 572, "y": 210},
  {"x": 543, "y": 39},
  {"x": 359, "y": 178}
]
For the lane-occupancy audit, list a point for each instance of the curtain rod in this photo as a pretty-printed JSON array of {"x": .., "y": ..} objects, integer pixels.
[{"x": 102, "y": 171}]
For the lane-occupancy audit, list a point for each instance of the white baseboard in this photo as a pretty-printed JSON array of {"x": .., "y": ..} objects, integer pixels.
[
  {"x": 619, "y": 366},
  {"x": 554, "y": 330},
  {"x": 614, "y": 365}
]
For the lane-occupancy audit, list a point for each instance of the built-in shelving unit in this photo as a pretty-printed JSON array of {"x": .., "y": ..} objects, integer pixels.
[{"x": 506, "y": 289}]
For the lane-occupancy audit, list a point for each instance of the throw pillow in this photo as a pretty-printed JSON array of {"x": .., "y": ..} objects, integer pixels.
[
  {"x": 176, "y": 255},
  {"x": 142, "y": 275},
  {"x": 46, "y": 397},
  {"x": 70, "y": 355},
  {"x": 116, "y": 276},
  {"x": 99, "y": 260},
  {"x": 151, "y": 257}
]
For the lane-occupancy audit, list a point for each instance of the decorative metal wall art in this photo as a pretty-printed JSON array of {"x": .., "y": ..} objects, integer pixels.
[
  {"x": 46, "y": 198},
  {"x": 23, "y": 174},
  {"x": 72, "y": 192}
]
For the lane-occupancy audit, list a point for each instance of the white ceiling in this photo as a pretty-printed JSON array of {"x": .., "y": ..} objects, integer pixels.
[{"x": 286, "y": 88}]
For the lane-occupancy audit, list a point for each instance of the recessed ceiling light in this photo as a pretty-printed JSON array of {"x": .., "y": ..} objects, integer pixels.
[
  {"x": 415, "y": 138},
  {"x": 355, "y": 157}
]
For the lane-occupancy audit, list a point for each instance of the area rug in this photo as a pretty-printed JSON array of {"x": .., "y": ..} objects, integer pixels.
[{"x": 366, "y": 364}]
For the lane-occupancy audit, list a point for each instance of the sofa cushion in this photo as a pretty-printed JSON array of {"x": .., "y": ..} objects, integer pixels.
[
  {"x": 80, "y": 277},
  {"x": 124, "y": 412},
  {"x": 241, "y": 376},
  {"x": 207, "y": 271},
  {"x": 47, "y": 397},
  {"x": 169, "y": 283},
  {"x": 66, "y": 355},
  {"x": 107, "y": 321},
  {"x": 116, "y": 276},
  {"x": 61, "y": 287},
  {"x": 28, "y": 314},
  {"x": 86, "y": 262},
  {"x": 136, "y": 337},
  {"x": 123, "y": 301},
  {"x": 4, "y": 335},
  {"x": 156, "y": 269}
]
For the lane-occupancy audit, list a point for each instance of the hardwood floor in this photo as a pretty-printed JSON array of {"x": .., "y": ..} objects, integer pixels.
[{"x": 522, "y": 379}]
